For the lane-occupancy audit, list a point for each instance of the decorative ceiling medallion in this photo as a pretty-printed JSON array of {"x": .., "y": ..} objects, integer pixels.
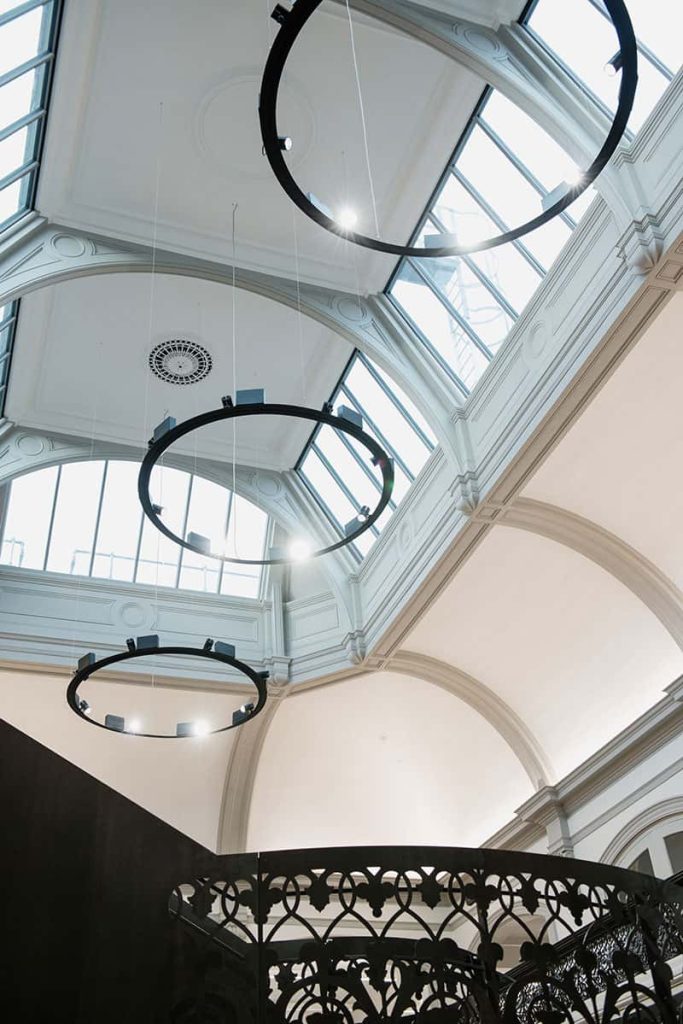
[{"x": 179, "y": 361}]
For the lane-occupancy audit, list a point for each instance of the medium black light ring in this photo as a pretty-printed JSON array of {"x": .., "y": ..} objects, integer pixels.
[
  {"x": 82, "y": 674},
  {"x": 291, "y": 25},
  {"x": 157, "y": 449}
]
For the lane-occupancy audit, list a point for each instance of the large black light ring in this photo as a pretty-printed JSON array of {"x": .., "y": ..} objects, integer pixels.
[
  {"x": 291, "y": 25},
  {"x": 299, "y": 412},
  {"x": 82, "y": 674}
]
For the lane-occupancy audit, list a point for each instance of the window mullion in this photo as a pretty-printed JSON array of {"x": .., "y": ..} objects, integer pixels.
[
  {"x": 389, "y": 448},
  {"x": 186, "y": 516},
  {"x": 338, "y": 480},
  {"x": 22, "y": 122},
  {"x": 451, "y": 310},
  {"x": 498, "y": 221},
  {"x": 25, "y": 169},
  {"x": 16, "y": 12},
  {"x": 368, "y": 473},
  {"x": 52, "y": 518},
  {"x": 98, "y": 518},
  {"x": 435, "y": 354},
  {"x": 28, "y": 65},
  {"x": 226, "y": 534},
  {"x": 482, "y": 277},
  {"x": 396, "y": 401},
  {"x": 528, "y": 175}
]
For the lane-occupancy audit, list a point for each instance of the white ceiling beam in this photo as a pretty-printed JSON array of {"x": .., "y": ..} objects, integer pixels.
[{"x": 45, "y": 255}]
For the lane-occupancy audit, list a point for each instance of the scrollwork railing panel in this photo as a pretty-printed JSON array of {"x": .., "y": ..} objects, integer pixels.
[{"x": 360, "y": 936}]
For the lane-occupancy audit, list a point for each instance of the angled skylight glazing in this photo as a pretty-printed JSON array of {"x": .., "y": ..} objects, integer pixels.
[
  {"x": 28, "y": 33},
  {"x": 585, "y": 42},
  {"x": 28, "y": 36},
  {"x": 336, "y": 470},
  {"x": 504, "y": 168},
  {"x": 84, "y": 519},
  {"x": 8, "y": 320}
]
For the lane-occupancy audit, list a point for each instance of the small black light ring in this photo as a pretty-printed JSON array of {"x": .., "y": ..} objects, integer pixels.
[
  {"x": 293, "y": 21},
  {"x": 229, "y": 411},
  {"x": 88, "y": 666}
]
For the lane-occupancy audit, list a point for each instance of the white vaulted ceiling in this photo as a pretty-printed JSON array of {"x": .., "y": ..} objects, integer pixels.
[
  {"x": 174, "y": 102},
  {"x": 573, "y": 652},
  {"x": 83, "y": 346},
  {"x": 382, "y": 759},
  {"x": 620, "y": 465},
  {"x": 536, "y": 652}
]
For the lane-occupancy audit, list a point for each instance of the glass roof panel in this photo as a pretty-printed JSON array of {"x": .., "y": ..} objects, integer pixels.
[
  {"x": 337, "y": 468},
  {"x": 503, "y": 168},
  {"x": 19, "y": 39},
  {"x": 20, "y": 96},
  {"x": 658, "y": 25},
  {"x": 442, "y": 331},
  {"x": 586, "y": 42},
  {"x": 30, "y": 36},
  {"x": 13, "y": 151}
]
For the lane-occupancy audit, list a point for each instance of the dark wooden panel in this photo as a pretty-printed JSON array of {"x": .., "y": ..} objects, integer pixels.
[{"x": 86, "y": 876}]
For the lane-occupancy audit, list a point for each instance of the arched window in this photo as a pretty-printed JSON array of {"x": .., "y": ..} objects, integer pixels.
[
  {"x": 652, "y": 843},
  {"x": 663, "y": 848},
  {"x": 85, "y": 519}
]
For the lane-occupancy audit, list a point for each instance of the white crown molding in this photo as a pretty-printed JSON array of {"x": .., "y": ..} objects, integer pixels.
[{"x": 630, "y": 748}]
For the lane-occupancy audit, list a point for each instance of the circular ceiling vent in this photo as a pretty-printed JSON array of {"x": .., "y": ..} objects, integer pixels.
[{"x": 179, "y": 361}]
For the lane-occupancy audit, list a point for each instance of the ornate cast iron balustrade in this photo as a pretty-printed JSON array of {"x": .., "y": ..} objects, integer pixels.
[{"x": 366, "y": 935}]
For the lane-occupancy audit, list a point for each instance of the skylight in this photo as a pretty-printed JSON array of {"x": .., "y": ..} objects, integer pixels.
[
  {"x": 503, "y": 169},
  {"x": 84, "y": 519},
  {"x": 28, "y": 36},
  {"x": 585, "y": 43},
  {"x": 335, "y": 469}
]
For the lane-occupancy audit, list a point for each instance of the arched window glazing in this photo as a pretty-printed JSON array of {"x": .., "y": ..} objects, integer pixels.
[{"x": 85, "y": 519}]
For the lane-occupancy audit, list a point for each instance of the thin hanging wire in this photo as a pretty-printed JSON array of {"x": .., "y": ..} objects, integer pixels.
[
  {"x": 233, "y": 511},
  {"x": 150, "y": 328},
  {"x": 93, "y": 422},
  {"x": 302, "y": 361},
  {"x": 362, "y": 117},
  {"x": 152, "y": 287}
]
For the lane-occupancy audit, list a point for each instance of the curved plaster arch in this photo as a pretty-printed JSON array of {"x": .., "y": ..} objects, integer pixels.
[
  {"x": 243, "y": 764},
  {"x": 240, "y": 775},
  {"x": 648, "y": 583},
  {"x": 49, "y": 254},
  {"x": 490, "y": 706},
  {"x": 639, "y": 826}
]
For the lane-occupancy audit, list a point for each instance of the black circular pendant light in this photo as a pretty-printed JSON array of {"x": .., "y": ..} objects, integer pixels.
[
  {"x": 276, "y": 144},
  {"x": 146, "y": 647},
  {"x": 350, "y": 424}
]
